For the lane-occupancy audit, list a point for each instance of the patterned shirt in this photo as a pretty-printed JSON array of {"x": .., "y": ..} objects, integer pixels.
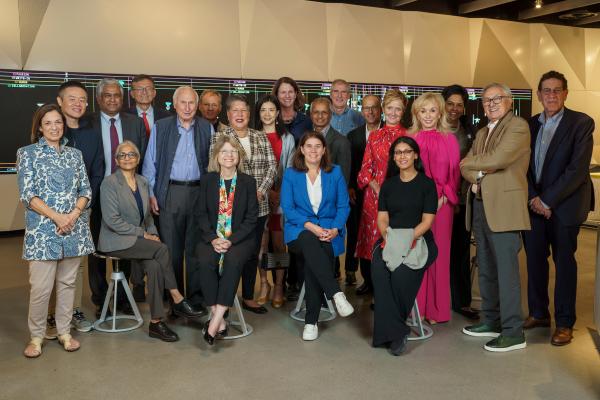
[{"x": 58, "y": 179}]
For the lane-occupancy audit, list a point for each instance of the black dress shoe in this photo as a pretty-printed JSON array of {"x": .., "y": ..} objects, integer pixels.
[
  {"x": 160, "y": 330},
  {"x": 256, "y": 310},
  {"x": 468, "y": 313},
  {"x": 185, "y": 309},
  {"x": 223, "y": 333},
  {"x": 99, "y": 312},
  {"x": 207, "y": 338},
  {"x": 398, "y": 346},
  {"x": 139, "y": 293},
  {"x": 125, "y": 308},
  {"x": 363, "y": 289}
]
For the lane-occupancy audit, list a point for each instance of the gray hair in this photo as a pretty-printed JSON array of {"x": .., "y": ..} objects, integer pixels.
[
  {"x": 211, "y": 93},
  {"x": 181, "y": 89},
  {"x": 326, "y": 100},
  {"x": 102, "y": 83},
  {"x": 500, "y": 86},
  {"x": 130, "y": 144}
]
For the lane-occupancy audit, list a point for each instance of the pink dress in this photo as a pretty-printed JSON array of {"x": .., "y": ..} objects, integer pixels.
[
  {"x": 374, "y": 166},
  {"x": 440, "y": 155}
]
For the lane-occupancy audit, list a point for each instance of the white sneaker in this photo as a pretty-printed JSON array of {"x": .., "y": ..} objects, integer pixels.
[
  {"x": 311, "y": 332},
  {"x": 344, "y": 308}
]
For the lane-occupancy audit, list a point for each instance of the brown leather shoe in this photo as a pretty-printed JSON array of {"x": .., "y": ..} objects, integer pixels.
[
  {"x": 531, "y": 322},
  {"x": 562, "y": 336}
]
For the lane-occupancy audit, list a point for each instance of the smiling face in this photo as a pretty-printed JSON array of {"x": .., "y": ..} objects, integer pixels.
[
  {"x": 371, "y": 110},
  {"x": 496, "y": 103},
  {"x": 210, "y": 106},
  {"x": 286, "y": 94},
  {"x": 313, "y": 150},
  {"x": 73, "y": 102},
  {"x": 238, "y": 115},
  {"x": 127, "y": 158},
  {"x": 268, "y": 113},
  {"x": 393, "y": 112},
  {"x": 552, "y": 96},
  {"x": 340, "y": 94},
  {"x": 320, "y": 115},
  {"x": 228, "y": 156},
  {"x": 186, "y": 104},
  {"x": 52, "y": 127},
  {"x": 143, "y": 92},
  {"x": 429, "y": 115},
  {"x": 455, "y": 108},
  {"x": 110, "y": 100},
  {"x": 404, "y": 157}
]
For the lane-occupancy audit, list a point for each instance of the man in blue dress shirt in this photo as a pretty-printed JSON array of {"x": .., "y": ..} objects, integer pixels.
[{"x": 344, "y": 119}]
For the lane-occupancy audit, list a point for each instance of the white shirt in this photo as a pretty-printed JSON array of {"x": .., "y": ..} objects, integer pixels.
[
  {"x": 245, "y": 141},
  {"x": 315, "y": 192},
  {"x": 105, "y": 122},
  {"x": 149, "y": 115}
]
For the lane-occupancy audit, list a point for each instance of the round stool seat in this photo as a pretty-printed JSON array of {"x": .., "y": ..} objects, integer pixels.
[{"x": 105, "y": 256}]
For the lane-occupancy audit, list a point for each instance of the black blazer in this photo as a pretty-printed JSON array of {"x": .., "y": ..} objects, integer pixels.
[
  {"x": 133, "y": 130},
  {"x": 358, "y": 144},
  {"x": 338, "y": 147},
  {"x": 159, "y": 113},
  {"x": 245, "y": 208},
  {"x": 565, "y": 184}
]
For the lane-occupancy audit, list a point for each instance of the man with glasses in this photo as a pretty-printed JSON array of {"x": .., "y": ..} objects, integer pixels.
[
  {"x": 560, "y": 198},
  {"x": 496, "y": 166},
  {"x": 371, "y": 111},
  {"x": 344, "y": 118},
  {"x": 143, "y": 92}
]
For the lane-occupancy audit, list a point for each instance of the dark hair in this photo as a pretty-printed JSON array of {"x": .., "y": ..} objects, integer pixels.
[
  {"x": 70, "y": 84},
  {"x": 37, "y": 120},
  {"x": 553, "y": 75},
  {"x": 298, "y": 162},
  {"x": 392, "y": 169},
  {"x": 142, "y": 77},
  {"x": 455, "y": 89},
  {"x": 236, "y": 97},
  {"x": 279, "y": 125},
  {"x": 299, "y": 102}
]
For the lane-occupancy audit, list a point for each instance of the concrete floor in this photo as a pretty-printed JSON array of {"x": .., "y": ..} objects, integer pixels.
[{"x": 274, "y": 363}]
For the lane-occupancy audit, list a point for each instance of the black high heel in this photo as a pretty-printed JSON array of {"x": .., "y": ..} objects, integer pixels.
[{"x": 210, "y": 340}]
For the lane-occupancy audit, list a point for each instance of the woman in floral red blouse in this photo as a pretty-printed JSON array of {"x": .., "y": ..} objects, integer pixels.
[{"x": 372, "y": 175}]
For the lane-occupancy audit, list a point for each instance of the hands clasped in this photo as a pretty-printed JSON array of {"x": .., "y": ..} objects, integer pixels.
[{"x": 220, "y": 245}]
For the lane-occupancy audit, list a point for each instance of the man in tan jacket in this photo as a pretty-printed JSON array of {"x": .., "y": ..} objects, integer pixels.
[{"x": 497, "y": 166}]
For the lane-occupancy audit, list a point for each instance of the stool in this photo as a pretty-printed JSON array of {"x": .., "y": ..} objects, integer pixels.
[
  {"x": 420, "y": 331},
  {"x": 299, "y": 311},
  {"x": 240, "y": 325},
  {"x": 115, "y": 277},
  {"x": 474, "y": 267}
]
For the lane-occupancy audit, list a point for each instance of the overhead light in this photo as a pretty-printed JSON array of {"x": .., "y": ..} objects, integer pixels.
[{"x": 539, "y": 3}]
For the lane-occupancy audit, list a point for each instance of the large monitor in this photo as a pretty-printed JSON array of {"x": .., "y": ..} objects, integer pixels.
[{"x": 22, "y": 92}]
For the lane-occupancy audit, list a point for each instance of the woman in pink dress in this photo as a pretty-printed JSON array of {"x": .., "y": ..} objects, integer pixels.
[
  {"x": 440, "y": 155},
  {"x": 371, "y": 177}
]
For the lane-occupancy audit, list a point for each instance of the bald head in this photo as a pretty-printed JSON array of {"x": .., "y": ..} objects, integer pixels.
[
  {"x": 371, "y": 110},
  {"x": 185, "y": 102}
]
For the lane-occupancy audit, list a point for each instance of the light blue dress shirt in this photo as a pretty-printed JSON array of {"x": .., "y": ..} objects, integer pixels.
[
  {"x": 105, "y": 122},
  {"x": 347, "y": 121},
  {"x": 544, "y": 138}
]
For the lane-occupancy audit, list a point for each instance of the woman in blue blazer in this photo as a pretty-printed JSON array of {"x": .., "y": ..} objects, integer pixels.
[{"x": 314, "y": 199}]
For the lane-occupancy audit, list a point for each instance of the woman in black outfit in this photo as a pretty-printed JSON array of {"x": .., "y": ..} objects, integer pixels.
[
  {"x": 227, "y": 214},
  {"x": 407, "y": 199}
]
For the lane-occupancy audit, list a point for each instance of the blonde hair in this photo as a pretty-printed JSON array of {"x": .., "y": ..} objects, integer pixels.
[
  {"x": 222, "y": 140},
  {"x": 438, "y": 101},
  {"x": 394, "y": 94}
]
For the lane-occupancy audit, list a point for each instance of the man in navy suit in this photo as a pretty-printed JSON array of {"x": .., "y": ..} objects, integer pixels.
[
  {"x": 560, "y": 198},
  {"x": 143, "y": 92}
]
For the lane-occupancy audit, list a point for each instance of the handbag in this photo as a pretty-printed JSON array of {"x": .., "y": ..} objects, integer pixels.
[{"x": 275, "y": 261}]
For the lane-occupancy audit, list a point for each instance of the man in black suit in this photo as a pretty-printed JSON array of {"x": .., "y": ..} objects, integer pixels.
[
  {"x": 560, "y": 198},
  {"x": 371, "y": 111},
  {"x": 143, "y": 92}
]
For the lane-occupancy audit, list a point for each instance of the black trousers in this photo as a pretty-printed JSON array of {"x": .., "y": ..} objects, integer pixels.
[
  {"x": 97, "y": 266},
  {"x": 179, "y": 232},
  {"x": 153, "y": 260},
  {"x": 394, "y": 294},
  {"x": 221, "y": 289},
  {"x": 460, "y": 262},
  {"x": 351, "y": 262},
  {"x": 251, "y": 264},
  {"x": 543, "y": 236},
  {"x": 318, "y": 272}
]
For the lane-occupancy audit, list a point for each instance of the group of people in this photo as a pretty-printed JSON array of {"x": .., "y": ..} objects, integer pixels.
[{"x": 165, "y": 190}]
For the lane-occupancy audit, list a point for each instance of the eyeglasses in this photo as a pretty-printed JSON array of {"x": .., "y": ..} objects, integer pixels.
[
  {"x": 555, "y": 91},
  {"x": 370, "y": 108},
  {"x": 493, "y": 100},
  {"x": 145, "y": 89},
  {"x": 125, "y": 156},
  {"x": 228, "y": 152},
  {"x": 403, "y": 153}
]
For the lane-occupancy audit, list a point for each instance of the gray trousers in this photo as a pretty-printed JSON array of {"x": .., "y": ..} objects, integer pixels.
[
  {"x": 153, "y": 258},
  {"x": 499, "y": 279}
]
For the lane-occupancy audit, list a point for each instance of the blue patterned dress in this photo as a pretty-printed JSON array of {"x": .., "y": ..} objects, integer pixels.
[{"x": 58, "y": 179}]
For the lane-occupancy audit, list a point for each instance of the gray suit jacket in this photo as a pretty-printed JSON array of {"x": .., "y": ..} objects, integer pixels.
[
  {"x": 121, "y": 225},
  {"x": 339, "y": 151}
]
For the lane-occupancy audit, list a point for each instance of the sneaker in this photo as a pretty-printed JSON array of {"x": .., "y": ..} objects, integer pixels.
[
  {"x": 311, "y": 332},
  {"x": 350, "y": 278},
  {"x": 344, "y": 308},
  {"x": 482, "y": 330},
  {"x": 506, "y": 343},
  {"x": 79, "y": 322},
  {"x": 51, "y": 332},
  {"x": 397, "y": 347}
]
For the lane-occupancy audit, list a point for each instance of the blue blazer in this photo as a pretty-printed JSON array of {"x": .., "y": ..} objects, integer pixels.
[{"x": 333, "y": 211}]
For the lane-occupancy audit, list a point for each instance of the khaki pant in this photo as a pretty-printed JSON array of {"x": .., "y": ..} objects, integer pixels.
[
  {"x": 42, "y": 275},
  {"x": 78, "y": 293}
]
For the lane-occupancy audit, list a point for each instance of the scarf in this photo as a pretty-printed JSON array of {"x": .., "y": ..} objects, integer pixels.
[{"x": 225, "y": 211}]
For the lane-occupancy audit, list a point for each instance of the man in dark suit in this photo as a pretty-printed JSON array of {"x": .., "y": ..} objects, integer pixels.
[
  {"x": 560, "y": 198},
  {"x": 371, "y": 111},
  {"x": 143, "y": 92}
]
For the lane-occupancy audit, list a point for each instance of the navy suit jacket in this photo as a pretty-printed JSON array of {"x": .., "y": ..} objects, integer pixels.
[
  {"x": 297, "y": 210},
  {"x": 133, "y": 130},
  {"x": 565, "y": 184}
]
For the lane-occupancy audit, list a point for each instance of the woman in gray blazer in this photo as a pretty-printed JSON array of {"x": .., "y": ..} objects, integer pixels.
[{"x": 128, "y": 232}]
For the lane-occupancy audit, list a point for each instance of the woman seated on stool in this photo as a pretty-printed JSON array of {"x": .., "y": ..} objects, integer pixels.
[
  {"x": 315, "y": 203},
  {"x": 407, "y": 200},
  {"x": 227, "y": 215},
  {"x": 128, "y": 232}
]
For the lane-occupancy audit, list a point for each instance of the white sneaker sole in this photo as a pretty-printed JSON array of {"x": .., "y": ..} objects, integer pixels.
[
  {"x": 480, "y": 334},
  {"x": 505, "y": 349}
]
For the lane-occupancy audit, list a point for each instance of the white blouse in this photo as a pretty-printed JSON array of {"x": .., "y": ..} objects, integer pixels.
[{"x": 315, "y": 192}]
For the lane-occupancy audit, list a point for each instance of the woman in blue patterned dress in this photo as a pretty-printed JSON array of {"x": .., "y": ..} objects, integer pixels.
[{"x": 55, "y": 190}]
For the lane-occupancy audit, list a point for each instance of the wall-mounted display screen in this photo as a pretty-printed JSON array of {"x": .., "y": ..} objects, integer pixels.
[{"x": 22, "y": 92}]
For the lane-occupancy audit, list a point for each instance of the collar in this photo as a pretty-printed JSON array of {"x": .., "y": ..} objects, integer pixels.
[
  {"x": 149, "y": 111},
  {"x": 107, "y": 117},
  {"x": 179, "y": 125},
  {"x": 553, "y": 119},
  {"x": 63, "y": 141},
  {"x": 325, "y": 130},
  {"x": 346, "y": 111}
]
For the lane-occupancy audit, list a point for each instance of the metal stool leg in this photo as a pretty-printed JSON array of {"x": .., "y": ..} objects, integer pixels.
[
  {"x": 421, "y": 332},
  {"x": 240, "y": 325},
  {"x": 299, "y": 311}
]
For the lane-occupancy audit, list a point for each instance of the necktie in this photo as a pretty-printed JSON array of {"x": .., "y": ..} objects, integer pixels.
[
  {"x": 114, "y": 142},
  {"x": 146, "y": 124}
]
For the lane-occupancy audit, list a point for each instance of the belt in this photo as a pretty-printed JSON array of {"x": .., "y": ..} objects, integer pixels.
[{"x": 184, "y": 183}]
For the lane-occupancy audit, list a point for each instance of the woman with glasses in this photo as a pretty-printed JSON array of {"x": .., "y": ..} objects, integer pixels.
[
  {"x": 440, "y": 156},
  {"x": 227, "y": 215},
  {"x": 128, "y": 232},
  {"x": 407, "y": 200}
]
